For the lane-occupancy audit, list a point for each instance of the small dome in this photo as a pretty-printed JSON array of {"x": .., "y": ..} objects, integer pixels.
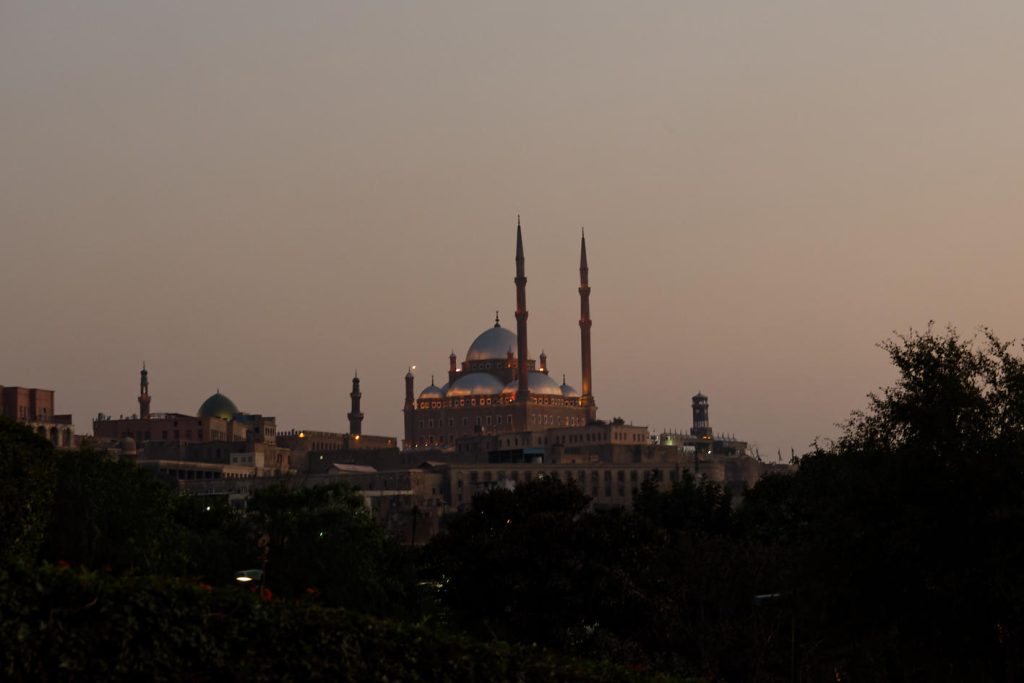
[
  {"x": 128, "y": 446},
  {"x": 219, "y": 406},
  {"x": 432, "y": 392},
  {"x": 475, "y": 384},
  {"x": 540, "y": 384},
  {"x": 568, "y": 391},
  {"x": 492, "y": 344}
]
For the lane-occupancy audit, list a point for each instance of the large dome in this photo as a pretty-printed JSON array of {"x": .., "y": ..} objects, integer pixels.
[
  {"x": 540, "y": 384},
  {"x": 219, "y": 406},
  {"x": 475, "y": 384},
  {"x": 492, "y": 344}
]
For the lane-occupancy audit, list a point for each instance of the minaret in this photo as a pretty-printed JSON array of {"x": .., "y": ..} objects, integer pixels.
[
  {"x": 523, "y": 392},
  {"x": 355, "y": 418},
  {"x": 144, "y": 392},
  {"x": 587, "y": 398},
  {"x": 701, "y": 422},
  {"x": 408, "y": 409},
  {"x": 452, "y": 367},
  {"x": 543, "y": 362}
]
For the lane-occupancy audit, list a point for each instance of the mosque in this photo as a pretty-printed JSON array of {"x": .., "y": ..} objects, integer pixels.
[{"x": 499, "y": 388}]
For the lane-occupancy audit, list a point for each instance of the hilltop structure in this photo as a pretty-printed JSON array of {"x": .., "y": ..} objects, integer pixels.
[
  {"x": 701, "y": 439},
  {"x": 499, "y": 388},
  {"x": 218, "y": 441}
]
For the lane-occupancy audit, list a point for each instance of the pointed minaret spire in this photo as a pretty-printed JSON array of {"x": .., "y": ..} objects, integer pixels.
[
  {"x": 497, "y": 320},
  {"x": 587, "y": 395},
  {"x": 583, "y": 249},
  {"x": 144, "y": 392},
  {"x": 523, "y": 391},
  {"x": 355, "y": 418}
]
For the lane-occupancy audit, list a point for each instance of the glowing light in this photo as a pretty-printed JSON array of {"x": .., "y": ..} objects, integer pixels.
[
  {"x": 357, "y": 437},
  {"x": 302, "y": 435},
  {"x": 247, "y": 575}
]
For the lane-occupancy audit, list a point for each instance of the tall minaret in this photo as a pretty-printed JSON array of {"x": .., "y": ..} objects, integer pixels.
[
  {"x": 355, "y": 418},
  {"x": 409, "y": 410},
  {"x": 585, "y": 324},
  {"x": 144, "y": 392},
  {"x": 523, "y": 392}
]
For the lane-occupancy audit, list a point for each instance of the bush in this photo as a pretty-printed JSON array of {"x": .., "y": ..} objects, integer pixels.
[{"x": 63, "y": 624}]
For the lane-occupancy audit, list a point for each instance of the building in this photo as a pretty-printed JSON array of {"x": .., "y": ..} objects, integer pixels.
[
  {"x": 498, "y": 388},
  {"x": 701, "y": 439},
  {"x": 304, "y": 443},
  {"x": 217, "y": 441},
  {"x": 34, "y": 408}
]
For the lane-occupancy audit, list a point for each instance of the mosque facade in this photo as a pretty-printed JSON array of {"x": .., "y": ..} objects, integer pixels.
[{"x": 498, "y": 388}]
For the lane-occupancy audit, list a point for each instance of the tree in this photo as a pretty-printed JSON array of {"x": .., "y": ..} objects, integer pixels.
[
  {"x": 26, "y": 491},
  {"x": 324, "y": 541},
  {"x": 111, "y": 514},
  {"x": 907, "y": 533},
  {"x": 215, "y": 539},
  {"x": 691, "y": 505}
]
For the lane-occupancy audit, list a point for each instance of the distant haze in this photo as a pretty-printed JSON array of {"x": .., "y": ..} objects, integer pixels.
[{"x": 262, "y": 197}]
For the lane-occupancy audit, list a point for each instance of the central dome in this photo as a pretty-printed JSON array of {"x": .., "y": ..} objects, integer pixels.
[
  {"x": 475, "y": 384},
  {"x": 492, "y": 344},
  {"x": 539, "y": 384},
  {"x": 219, "y": 406}
]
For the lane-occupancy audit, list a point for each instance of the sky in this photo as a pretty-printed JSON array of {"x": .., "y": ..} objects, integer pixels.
[{"x": 263, "y": 197}]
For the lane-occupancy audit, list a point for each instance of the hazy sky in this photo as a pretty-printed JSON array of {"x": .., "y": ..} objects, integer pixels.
[{"x": 264, "y": 196}]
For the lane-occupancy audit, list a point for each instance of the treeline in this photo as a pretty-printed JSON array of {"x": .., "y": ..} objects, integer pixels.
[
  {"x": 61, "y": 624},
  {"x": 892, "y": 554}
]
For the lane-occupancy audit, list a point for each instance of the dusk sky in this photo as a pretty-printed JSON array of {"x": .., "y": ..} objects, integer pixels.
[{"x": 262, "y": 197}]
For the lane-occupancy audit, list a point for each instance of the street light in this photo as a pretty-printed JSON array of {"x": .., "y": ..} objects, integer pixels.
[{"x": 248, "y": 575}]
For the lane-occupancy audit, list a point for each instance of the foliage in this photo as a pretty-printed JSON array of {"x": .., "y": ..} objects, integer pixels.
[
  {"x": 111, "y": 514},
  {"x": 907, "y": 534},
  {"x": 26, "y": 491},
  {"x": 324, "y": 540},
  {"x": 214, "y": 539},
  {"x": 61, "y": 624},
  {"x": 692, "y": 505},
  {"x": 532, "y": 565},
  {"x": 115, "y": 516}
]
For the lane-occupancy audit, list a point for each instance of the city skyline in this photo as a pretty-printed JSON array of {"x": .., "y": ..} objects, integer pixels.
[{"x": 265, "y": 201}]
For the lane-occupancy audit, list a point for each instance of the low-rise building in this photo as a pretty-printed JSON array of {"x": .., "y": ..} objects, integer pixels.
[{"x": 35, "y": 408}]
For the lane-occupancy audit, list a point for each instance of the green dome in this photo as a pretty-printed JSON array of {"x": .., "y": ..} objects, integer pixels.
[{"x": 218, "y": 405}]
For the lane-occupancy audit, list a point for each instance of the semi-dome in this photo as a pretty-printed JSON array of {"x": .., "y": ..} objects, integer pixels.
[
  {"x": 540, "y": 384},
  {"x": 475, "y": 384},
  {"x": 219, "y": 406},
  {"x": 432, "y": 392},
  {"x": 492, "y": 344}
]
